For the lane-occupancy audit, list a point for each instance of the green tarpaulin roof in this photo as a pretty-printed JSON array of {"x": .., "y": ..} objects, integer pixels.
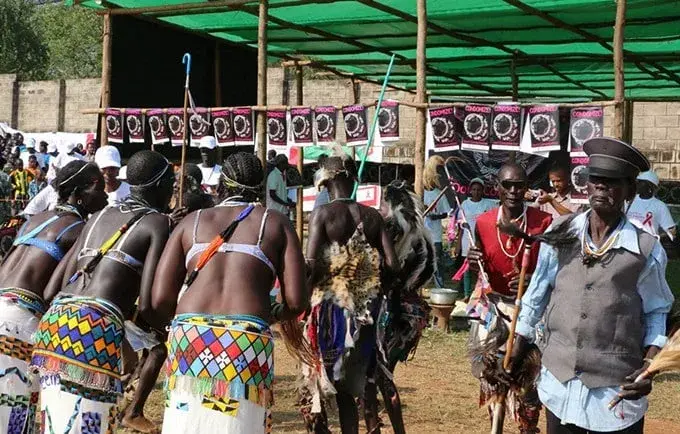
[{"x": 562, "y": 48}]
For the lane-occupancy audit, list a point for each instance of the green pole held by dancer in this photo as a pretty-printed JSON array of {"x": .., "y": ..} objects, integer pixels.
[
  {"x": 186, "y": 61},
  {"x": 373, "y": 127}
]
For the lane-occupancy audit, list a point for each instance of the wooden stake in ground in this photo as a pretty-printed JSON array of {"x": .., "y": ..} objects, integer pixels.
[
  {"x": 421, "y": 94},
  {"x": 261, "y": 128},
  {"x": 186, "y": 61},
  {"x": 619, "y": 81},
  {"x": 299, "y": 223}
]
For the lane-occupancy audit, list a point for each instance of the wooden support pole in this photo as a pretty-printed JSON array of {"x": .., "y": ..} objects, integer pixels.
[
  {"x": 299, "y": 219},
  {"x": 217, "y": 59},
  {"x": 628, "y": 123},
  {"x": 356, "y": 98},
  {"x": 619, "y": 83},
  {"x": 512, "y": 155},
  {"x": 105, "y": 100},
  {"x": 421, "y": 94},
  {"x": 261, "y": 131}
]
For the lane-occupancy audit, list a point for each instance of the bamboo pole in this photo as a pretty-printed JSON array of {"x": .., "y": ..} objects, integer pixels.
[
  {"x": 105, "y": 99},
  {"x": 299, "y": 220},
  {"x": 619, "y": 82},
  {"x": 421, "y": 94},
  {"x": 261, "y": 145}
]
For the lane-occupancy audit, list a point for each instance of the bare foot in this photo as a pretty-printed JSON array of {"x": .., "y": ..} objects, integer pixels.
[{"x": 140, "y": 424}]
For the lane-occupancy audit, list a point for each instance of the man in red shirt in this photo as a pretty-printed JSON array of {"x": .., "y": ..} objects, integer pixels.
[{"x": 501, "y": 257}]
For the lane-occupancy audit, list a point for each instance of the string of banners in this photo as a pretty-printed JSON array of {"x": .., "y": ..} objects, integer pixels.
[{"x": 300, "y": 126}]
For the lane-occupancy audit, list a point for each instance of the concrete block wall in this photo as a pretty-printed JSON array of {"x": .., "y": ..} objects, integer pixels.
[
  {"x": 6, "y": 97},
  {"x": 81, "y": 94},
  {"x": 38, "y": 106}
]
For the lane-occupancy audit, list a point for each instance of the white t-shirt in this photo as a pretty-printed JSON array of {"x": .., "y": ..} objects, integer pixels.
[
  {"x": 442, "y": 207},
  {"x": 38, "y": 156},
  {"x": 120, "y": 194},
  {"x": 276, "y": 182},
  {"x": 60, "y": 161},
  {"x": 473, "y": 210},
  {"x": 651, "y": 215},
  {"x": 211, "y": 175},
  {"x": 46, "y": 200}
]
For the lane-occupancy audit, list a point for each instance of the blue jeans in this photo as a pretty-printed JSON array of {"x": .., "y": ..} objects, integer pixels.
[{"x": 440, "y": 265}]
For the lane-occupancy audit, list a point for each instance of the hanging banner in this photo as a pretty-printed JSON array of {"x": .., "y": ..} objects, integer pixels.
[
  {"x": 325, "y": 124},
  {"x": 114, "y": 125},
  {"x": 176, "y": 126},
  {"x": 444, "y": 125},
  {"x": 301, "y": 126},
  {"x": 543, "y": 127},
  {"x": 222, "y": 125},
  {"x": 585, "y": 123},
  {"x": 277, "y": 128},
  {"x": 476, "y": 127},
  {"x": 505, "y": 127},
  {"x": 134, "y": 122},
  {"x": 199, "y": 124},
  {"x": 388, "y": 121},
  {"x": 356, "y": 129},
  {"x": 579, "y": 179},
  {"x": 159, "y": 132},
  {"x": 243, "y": 126}
]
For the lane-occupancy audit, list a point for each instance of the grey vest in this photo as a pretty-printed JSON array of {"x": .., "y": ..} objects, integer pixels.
[{"x": 594, "y": 327}]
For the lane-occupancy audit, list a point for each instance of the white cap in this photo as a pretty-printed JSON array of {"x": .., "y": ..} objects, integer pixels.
[
  {"x": 122, "y": 174},
  {"x": 208, "y": 142},
  {"x": 51, "y": 147},
  {"x": 30, "y": 144},
  {"x": 67, "y": 148},
  {"x": 650, "y": 176},
  {"x": 107, "y": 156}
]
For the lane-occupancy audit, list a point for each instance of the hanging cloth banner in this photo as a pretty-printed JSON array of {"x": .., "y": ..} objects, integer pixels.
[
  {"x": 301, "y": 126},
  {"x": 325, "y": 124},
  {"x": 243, "y": 126},
  {"x": 176, "y": 126},
  {"x": 542, "y": 129},
  {"x": 356, "y": 130},
  {"x": 114, "y": 125},
  {"x": 476, "y": 127},
  {"x": 134, "y": 121},
  {"x": 505, "y": 127},
  {"x": 388, "y": 121},
  {"x": 199, "y": 124},
  {"x": 585, "y": 123},
  {"x": 222, "y": 125},
  {"x": 579, "y": 179},
  {"x": 277, "y": 128},
  {"x": 159, "y": 131},
  {"x": 446, "y": 126}
]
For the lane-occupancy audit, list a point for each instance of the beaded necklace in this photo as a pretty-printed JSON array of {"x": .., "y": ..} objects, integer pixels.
[
  {"x": 592, "y": 254},
  {"x": 522, "y": 220}
]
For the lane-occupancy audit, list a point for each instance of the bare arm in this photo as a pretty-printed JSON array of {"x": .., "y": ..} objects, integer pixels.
[
  {"x": 561, "y": 209},
  {"x": 315, "y": 239},
  {"x": 387, "y": 247},
  {"x": 275, "y": 198},
  {"x": 169, "y": 276},
  {"x": 160, "y": 230},
  {"x": 294, "y": 289}
]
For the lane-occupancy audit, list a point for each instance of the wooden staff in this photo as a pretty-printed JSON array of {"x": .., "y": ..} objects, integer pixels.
[
  {"x": 186, "y": 60},
  {"x": 520, "y": 292}
]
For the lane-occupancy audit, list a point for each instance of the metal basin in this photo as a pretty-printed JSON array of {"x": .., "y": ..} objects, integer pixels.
[{"x": 443, "y": 296}]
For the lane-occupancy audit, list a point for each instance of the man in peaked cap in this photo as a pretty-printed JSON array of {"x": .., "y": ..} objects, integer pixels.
[
  {"x": 600, "y": 287},
  {"x": 209, "y": 167}
]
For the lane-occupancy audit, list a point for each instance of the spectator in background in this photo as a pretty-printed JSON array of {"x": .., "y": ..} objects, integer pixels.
[
  {"x": 472, "y": 207},
  {"x": 209, "y": 168},
  {"x": 20, "y": 179},
  {"x": 50, "y": 160},
  {"x": 30, "y": 150},
  {"x": 5, "y": 193},
  {"x": 646, "y": 211},
  {"x": 558, "y": 203},
  {"x": 433, "y": 221},
  {"x": 322, "y": 198},
  {"x": 33, "y": 167},
  {"x": 80, "y": 149},
  {"x": 43, "y": 156},
  {"x": 108, "y": 160},
  {"x": 38, "y": 183},
  {"x": 90, "y": 150},
  {"x": 277, "y": 194}
]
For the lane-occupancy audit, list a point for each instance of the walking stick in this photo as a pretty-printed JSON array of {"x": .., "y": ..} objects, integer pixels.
[
  {"x": 186, "y": 60},
  {"x": 520, "y": 292},
  {"x": 436, "y": 200},
  {"x": 374, "y": 125}
]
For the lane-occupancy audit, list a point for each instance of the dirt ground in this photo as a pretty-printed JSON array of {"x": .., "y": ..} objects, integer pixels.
[{"x": 438, "y": 394}]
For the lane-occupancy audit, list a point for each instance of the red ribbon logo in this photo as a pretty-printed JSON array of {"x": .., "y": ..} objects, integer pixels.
[{"x": 648, "y": 219}]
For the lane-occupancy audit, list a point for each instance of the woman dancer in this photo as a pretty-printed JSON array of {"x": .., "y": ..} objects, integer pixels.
[
  {"x": 347, "y": 242},
  {"x": 37, "y": 250},
  {"x": 220, "y": 349},
  {"x": 79, "y": 340}
]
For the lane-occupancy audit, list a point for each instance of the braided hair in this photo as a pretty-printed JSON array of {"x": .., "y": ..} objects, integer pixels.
[
  {"x": 75, "y": 177},
  {"x": 242, "y": 174}
]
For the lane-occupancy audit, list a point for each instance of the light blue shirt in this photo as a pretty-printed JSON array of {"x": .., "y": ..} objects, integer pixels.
[
  {"x": 442, "y": 207},
  {"x": 322, "y": 198},
  {"x": 572, "y": 402}
]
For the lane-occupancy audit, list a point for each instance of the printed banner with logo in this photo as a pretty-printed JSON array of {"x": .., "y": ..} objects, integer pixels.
[
  {"x": 542, "y": 129},
  {"x": 444, "y": 128},
  {"x": 356, "y": 129},
  {"x": 585, "y": 123},
  {"x": 199, "y": 125},
  {"x": 301, "y": 126},
  {"x": 113, "y": 120},
  {"x": 176, "y": 126},
  {"x": 388, "y": 122},
  {"x": 506, "y": 125},
  {"x": 243, "y": 126},
  {"x": 579, "y": 179},
  {"x": 157, "y": 126},
  {"x": 277, "y": 128},
  {"x": 476, "y": 127},
  {"x": 325, "y": 124},
  {"x": 223, "y": 128},
  {"x": 134, "y": 122}
]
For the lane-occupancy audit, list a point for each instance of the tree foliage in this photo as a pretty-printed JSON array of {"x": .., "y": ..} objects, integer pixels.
[
  {"x": 49, "y": 41},
  {"x": 22, "y": 50}
]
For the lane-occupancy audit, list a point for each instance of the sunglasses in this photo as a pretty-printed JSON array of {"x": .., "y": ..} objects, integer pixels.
[{"x": 507, "y": 184}]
